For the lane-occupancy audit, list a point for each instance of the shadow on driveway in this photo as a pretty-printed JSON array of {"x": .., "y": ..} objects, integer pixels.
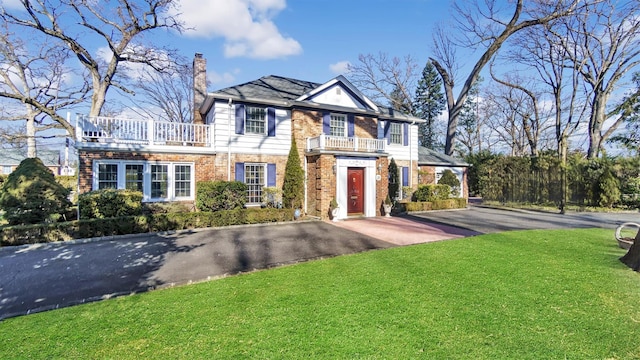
[{"x": 48, "y": 276}]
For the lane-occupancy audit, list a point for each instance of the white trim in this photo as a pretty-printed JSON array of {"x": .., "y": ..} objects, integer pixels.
[
  {"x": 146, "y": 196},
  {"x": 369, "y": 165}
]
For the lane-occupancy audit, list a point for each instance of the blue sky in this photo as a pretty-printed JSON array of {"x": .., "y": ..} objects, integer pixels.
[{"x": 308, "y": 39}]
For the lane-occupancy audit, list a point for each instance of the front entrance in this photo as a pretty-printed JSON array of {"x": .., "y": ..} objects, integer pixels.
[{"x": 355, "y": 191}]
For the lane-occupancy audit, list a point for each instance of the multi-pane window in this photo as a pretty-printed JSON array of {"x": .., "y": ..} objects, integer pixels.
[
  {"x": 337, "y": 124},
  {"x": 134, "y": 177},
  {"x": 395, "y": 133},
  {"x": 254, "y": 179},
  {"x": 6, "y": 169},
  {"x": 159, "y": 180},
  {"x": 182, "y": 180},
  {"x": 255, "y": 120},
  {"x": 108, "y": 176}
]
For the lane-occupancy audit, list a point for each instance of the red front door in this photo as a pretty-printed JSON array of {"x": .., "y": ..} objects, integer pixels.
[{"x": 355, "y": 190}]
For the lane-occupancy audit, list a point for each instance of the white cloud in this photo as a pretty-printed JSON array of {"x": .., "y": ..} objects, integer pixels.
[
  {"x": 225, "y": 78},
  {"x": 340, "y": 68},
  {"x": 246, "y": 26}
]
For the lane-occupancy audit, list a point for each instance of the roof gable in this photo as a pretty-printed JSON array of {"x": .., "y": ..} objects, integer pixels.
[{"x": 339, "y": 92}]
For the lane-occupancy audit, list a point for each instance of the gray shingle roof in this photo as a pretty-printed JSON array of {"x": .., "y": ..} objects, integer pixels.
[
  {"x": 427, "y": 156},
  {"x": 270, "y": 87}
]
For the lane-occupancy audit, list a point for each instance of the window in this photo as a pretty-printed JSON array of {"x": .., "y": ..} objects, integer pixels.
[
  {"x": 254, "y": 178},
  {"x": 108, "y": 176},
  {"x": 182, "y": 180},
  {"x": 395, "y": 133},
  {"x": 255, "y": 120},
  {"x": 337, "y": 123},
  {"x": 134, "y": 177},
  {"x": 159, "y": 179},
  {"x": 6, "y": 169}
]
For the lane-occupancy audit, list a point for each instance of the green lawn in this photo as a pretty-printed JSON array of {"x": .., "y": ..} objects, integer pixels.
[{"x": 517, "y": 295}]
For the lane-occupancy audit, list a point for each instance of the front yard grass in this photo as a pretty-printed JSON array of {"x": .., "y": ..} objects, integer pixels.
[{"x": 517, "y": 295}]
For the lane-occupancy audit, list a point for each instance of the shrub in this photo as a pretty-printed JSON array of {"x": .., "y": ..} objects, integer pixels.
[
  {"x": 608, "y": 190},
  {"x": 394, "y": 179},
  {"x": 293, "y": 186},
  {"x": 39, "y": 233},
  {"x": 220, "y": 195},
  {"x": 452, "y": 203},
  {"x": 271, "y": 197},
  {"x": 431, "y": 193},
  {"x": 32, "y": 195},
  {"x": 449, "y": 178},
  {"x": 108, "y": 203}
]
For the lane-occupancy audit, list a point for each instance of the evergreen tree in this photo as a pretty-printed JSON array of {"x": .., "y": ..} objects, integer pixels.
[
  {"x": 31, "y": 195},
  {"x": 428, "y": 104},
  {"x": 293, "y": 186},
  {"x": 400, "y": 101},
  {"x": 468, "y": 124},
  {"x": 394, "y": 180}
]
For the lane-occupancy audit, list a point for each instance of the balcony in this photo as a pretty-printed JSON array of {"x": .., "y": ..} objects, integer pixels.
[
  {"x": 110, "y": 130},
  {"x": 341, "y": 143}
]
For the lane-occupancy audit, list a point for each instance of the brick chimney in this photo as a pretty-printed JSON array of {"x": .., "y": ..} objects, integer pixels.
[{"x": 199, "y": 86}]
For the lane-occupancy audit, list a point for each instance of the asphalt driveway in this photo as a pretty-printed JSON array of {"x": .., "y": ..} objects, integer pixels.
[{"x": 47, "y": 276}]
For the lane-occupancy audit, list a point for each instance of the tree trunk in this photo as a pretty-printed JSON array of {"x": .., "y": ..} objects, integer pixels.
[{"x": 632, "y": 257}]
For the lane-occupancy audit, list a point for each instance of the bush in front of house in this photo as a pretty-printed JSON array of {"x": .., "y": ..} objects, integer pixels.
[
  {"x": 394, "y": 180},
  {"x": 108, "y": 203},
  {"x": 89, "y": 228},
  {"x": 31, "y": 195},
  {"x": 293, "y": 185},
  {"x": 431, "y": 193},
  {"x": 446, "y": 204},
  {"x": 220, "y": 195},
  {"x": 449, "y": 178}
]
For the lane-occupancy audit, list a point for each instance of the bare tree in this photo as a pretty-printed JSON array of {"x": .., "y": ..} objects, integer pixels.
[
  {"x": 167, "y": 96},
  {"x": 385, "y": 79},
  {"x": 118, "y": 26},
  {"x": 485, "y": 27},
  {"x": 603, "y": 41},
  {"x": 34, "y": 85}
]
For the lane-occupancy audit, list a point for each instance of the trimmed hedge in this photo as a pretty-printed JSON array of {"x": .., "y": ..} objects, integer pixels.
[
  {"x": 42, "y": 233},
  {"x": 109, "y": 203},
  {"x": 431, "y": 193},
  {"x": 220, "y": 195},
  {"x": 453, "y": 203}
]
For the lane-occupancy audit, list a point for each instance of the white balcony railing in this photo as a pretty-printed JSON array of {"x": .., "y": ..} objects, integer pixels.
[
  {"x": 146, "y": 132},
  {"x": 341, "y": 143}
]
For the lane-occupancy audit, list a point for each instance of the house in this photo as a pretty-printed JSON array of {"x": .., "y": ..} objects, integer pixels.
[
  {"x": 431, "y": 165},
  {"x": 244, "y": 132},
  {"x": 11, "y": 158}
]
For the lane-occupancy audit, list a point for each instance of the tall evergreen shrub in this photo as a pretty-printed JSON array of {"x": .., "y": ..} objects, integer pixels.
[
  {"x": 394, "y": 180},
  {"x": 293, "y": 186},
  {"x": 31, "y": 194}
]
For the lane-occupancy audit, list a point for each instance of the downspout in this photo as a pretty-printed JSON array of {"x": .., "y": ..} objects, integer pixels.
[
  {"x": 229, "y": 141},
  {"x": 306, "y": 180},
  {"x": 411, "y": 154}
]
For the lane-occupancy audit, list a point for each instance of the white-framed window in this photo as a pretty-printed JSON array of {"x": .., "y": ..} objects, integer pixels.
[
  {"x": 255, "y": 120},
  {"x": 6, "y": 169},
  {"x": 338, "y": 124},
  {"x": 158, "y": 181},
  {"x": 254, "y": 178},
  {"x": 134, "y": 177},
  {"x": 107, "y": 176},
  {"x": 395, "y": 133}
]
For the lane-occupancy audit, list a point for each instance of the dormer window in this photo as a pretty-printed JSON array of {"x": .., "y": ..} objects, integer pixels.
[{"x": 338, "y": 123}]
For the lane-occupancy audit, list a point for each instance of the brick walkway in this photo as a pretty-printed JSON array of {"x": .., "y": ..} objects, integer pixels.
[{"x": 403, "y": 231}]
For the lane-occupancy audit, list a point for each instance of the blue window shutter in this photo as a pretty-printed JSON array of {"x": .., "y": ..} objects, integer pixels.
[
  {"x": 271, "y": 121},
  {"x": 387, "y": 126},
  {"x": 351, "y": 126},
  {"x": 405, "y": 132},
  {"x": 326, "y": 123},
  {"x": 240, "y": 171},
  {"x": 239, "y": 119},
  {"x": 271, "y": 174},
  {"x": 405, "y": 176}
]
